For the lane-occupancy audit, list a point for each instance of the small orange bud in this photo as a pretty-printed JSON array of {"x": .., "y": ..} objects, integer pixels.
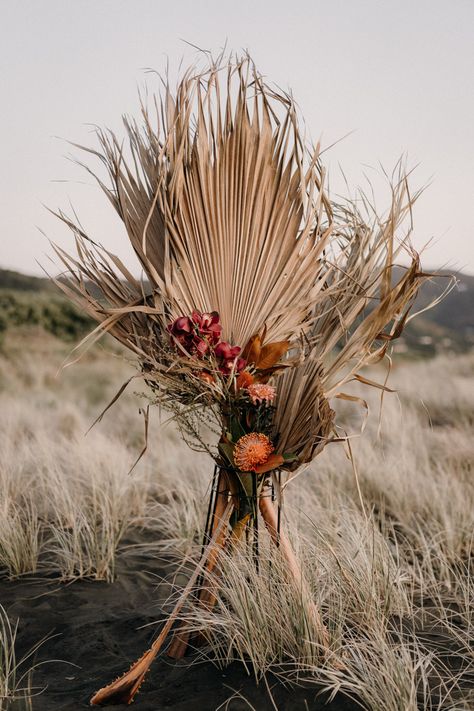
[
  {"x": 206, "y": 377},
  {"x": 244, "y": 380}
]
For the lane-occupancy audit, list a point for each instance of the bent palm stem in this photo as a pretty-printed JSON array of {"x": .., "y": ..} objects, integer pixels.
[
  {"x": 124, "y": 689},
  {"x": 260, "y": 502}
]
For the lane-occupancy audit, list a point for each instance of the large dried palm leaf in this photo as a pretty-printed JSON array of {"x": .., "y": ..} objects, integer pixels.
[
  {"x": 222, "y": 204},
  {"x": 226, "y": 209}
]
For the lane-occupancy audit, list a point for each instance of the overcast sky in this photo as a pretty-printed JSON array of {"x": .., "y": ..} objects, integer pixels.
[{"x": 398, "y": 75}]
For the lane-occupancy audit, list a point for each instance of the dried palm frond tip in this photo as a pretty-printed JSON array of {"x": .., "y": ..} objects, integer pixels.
[{"x": 262, "y": 297}]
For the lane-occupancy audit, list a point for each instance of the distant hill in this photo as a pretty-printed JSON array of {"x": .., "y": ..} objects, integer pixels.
[
  {"x": 448, "y": 326},
  {"x": 35, "y": 301},
  {"x": 456, "y": 312},
  {"x": 23, "y": 282}
]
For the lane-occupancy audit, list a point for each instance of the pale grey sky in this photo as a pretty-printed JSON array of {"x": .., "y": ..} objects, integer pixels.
[{"x": 397, "y": 74}]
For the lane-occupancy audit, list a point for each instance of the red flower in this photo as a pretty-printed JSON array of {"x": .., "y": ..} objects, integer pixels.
[
  {"x": 240, "y": 364},
  {"x": 196, "y": 334},
  {"x": 180, "y": 328},
  {"x": 225, "y": 351},
  {"x": 200, "y": 333},
  {"x": 207, "y": 325},
  {"x": 227, "y": 357},
  {"x": 181, "y": 331},
  {"x": 201, "y": 346}
]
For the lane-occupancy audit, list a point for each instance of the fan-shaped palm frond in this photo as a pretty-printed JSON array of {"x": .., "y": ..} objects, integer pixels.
[
  {"x": 226, "y": 210},
  {"x": 222, "y": 204}
]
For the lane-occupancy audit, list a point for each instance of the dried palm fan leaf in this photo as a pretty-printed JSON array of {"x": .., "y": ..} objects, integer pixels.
[
  {"x": 303, "y": 421},
  {"x": 262, "y": 296},
  {"x": 368, "y": 303},
  {"x": 223, "y": 212}
]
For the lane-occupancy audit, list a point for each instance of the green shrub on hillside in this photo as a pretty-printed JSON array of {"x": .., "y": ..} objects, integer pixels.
[{"x": 49, "y": 311}]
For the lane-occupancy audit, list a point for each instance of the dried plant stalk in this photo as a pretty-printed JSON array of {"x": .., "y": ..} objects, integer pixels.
[
  {"x": 179, "y": 643},
  {"x": 125, "y": 688},
  {"x": 294, "y": 569}
]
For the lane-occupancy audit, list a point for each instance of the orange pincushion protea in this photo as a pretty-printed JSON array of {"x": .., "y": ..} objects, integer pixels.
[{"x": 252, "y": 450}]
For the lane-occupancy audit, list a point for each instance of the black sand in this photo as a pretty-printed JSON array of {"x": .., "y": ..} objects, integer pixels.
[{"x": 96, "y": 626}]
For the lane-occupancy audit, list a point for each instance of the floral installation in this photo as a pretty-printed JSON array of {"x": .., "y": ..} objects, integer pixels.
[{"x": 263, "y": 299}]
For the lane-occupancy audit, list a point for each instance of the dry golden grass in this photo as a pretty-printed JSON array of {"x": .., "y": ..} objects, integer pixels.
[
  {"x": 394, "y": 583},
  {"x": 14, "y": 683}
]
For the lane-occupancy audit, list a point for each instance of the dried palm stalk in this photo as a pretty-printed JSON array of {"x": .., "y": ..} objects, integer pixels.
[{"x": 262, "y": 296}]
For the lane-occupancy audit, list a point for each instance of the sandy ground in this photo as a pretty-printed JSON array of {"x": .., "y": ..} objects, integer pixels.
[{"x": 95, "y": 632}]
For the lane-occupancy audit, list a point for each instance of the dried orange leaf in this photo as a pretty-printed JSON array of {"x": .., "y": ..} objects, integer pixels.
[
  {"x": 271, "y": 354},
  {"x": 273, "y": 461},
  {"x": 245, "y": 379},
  {"x": 252, "y": 350}
]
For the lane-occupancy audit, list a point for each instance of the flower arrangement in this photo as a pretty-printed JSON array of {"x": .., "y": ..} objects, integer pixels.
[
  {"x": 263, "y": 297},
  {"x": 237, "y": 380}
]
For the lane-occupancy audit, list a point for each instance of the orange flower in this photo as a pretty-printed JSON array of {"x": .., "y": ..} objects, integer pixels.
[
  {"x": 206, "y": 377},
  {"x": 245, "y": 379},
  {"x": 252, "y": 450},
  {"x": 264, "y": 357},
  {"x": 260, "y": 392}
]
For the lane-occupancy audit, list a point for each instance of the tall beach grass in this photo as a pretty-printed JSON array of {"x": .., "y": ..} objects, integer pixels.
[{"x": 393, "y": 578}]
